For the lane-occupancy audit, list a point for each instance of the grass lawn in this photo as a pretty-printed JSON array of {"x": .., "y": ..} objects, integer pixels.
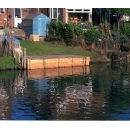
[
  {"x": 7, "y": 62},
  {"x": 46, "y": 48}
]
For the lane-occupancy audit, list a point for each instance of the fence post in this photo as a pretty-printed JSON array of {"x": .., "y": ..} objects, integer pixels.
[{"x": 24, "y": 58}]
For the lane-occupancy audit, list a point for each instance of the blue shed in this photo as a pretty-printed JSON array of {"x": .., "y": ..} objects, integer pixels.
[{"x": 35, "y": 24}]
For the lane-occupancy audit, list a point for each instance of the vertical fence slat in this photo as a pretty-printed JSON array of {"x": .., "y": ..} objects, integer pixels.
[
  {"x": 10, "y": 46},
  {"x": 24, "y": 57}
]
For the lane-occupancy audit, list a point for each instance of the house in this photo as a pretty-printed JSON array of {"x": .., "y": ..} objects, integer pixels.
[
  {"x": 76, "y": 15},
  {"x": 5, "y": 17},
  {"x": 12, "y": 17}
]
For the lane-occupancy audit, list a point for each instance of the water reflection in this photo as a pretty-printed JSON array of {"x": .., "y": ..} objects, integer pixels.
[
  {"x": 98, "y": 92},
  {"x": 20, "y": 83}
]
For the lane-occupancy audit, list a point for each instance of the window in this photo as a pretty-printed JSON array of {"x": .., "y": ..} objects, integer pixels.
[
  {"x": 2, "y": 10},
  {"x": 78, "y": 9},
  {"x": 86, "y": 9},
  {"x": 70, "y": 9},
  {"x": 60, "y": 14},
  {"x": 56, "y": 13},
  {"x": 18, "y": 12}
]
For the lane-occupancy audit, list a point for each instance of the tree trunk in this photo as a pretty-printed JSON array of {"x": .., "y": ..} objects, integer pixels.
[{"x": 118, "y": 24}]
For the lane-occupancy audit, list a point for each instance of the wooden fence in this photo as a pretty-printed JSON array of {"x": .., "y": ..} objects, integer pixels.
[{"x": 10, "y": 46}]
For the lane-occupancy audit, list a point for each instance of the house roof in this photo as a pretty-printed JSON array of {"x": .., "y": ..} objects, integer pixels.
[{"x": 31, "y": 16}]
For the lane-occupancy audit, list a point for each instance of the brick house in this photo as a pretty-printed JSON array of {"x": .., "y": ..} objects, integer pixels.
[
  {"x": 12, "y": 17},
  {"x": 5, "y": 17}
]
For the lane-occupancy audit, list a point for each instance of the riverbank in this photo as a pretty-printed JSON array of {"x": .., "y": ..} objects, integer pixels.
[
  {"x": 45, "y": 49},
  {"x": 8, "y": 63}
]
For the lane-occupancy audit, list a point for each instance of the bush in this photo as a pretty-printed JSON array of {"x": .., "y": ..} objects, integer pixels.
[
  {"x": 60, "y": 30},
  {"x": 68, "y": 33},
  {"x": 78, "y": 31},
  {"x": 125, "y": 47},
  {"x": 116, "y": 56},
  {"x": 92, "y": 35},
  {"x": 51, "y": 38},
  {"x": 125, "y": 29},
  {"x": 78, "y": 41},
  {"x": 52, "y": 28}
]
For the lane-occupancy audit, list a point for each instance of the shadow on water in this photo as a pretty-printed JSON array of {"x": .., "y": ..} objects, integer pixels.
[{"x": 95, "y": 92}]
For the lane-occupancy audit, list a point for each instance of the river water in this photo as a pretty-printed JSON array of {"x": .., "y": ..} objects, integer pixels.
[{"x": 95, "y": 92}]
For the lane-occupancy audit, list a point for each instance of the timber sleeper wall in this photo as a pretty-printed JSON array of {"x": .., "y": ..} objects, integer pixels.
[{"x": 57, "y": 62}]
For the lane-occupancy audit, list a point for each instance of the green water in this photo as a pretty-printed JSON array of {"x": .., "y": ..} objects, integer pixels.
[{"x": 103, "y": 94}]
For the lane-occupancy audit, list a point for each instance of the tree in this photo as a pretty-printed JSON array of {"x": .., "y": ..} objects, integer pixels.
[
  {"x": 127, "y": 12},
  {"x": 118, "y": 13}
]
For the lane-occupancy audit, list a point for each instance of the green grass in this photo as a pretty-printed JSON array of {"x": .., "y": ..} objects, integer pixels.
[
  {"x": 43, "y": 48},
  {"x": 46, "y": 48},
  {"x": 7, "y": 62}
]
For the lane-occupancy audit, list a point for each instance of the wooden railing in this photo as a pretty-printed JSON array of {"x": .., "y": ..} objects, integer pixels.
[{"x": 10, "y": 46}]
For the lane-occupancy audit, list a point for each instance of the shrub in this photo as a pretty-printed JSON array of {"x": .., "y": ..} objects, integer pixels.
[
  {"x": 78, "y": 31},
  {"x": 116, "y": 56},
  {"x": 60, "y": 30},
  {"x": 68, "y": 33},
  {"x": 125, "y": 29},
  {"x": 92, "y": 35},
  {"x": 51, "y": 38},
  {"x": 125, "y": 47},
  {"x": 78, "y": 41},
  {"x": 52, "y": 28}
]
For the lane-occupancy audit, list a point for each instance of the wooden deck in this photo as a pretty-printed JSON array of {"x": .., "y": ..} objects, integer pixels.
[{"x": 56, "y": 61}]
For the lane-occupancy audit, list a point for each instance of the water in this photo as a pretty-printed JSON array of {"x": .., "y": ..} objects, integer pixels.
[{"x": 98, "y": 92}]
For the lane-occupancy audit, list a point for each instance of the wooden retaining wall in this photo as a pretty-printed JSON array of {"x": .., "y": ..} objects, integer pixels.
[
  {"x": 56, "y": 72},
  {"x": 51, "y": 62}
]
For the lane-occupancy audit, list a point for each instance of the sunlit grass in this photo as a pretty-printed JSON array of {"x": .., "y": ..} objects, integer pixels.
[{"x": 46, "y": 48}]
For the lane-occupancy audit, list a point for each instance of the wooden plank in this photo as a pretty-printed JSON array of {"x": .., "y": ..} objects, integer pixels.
[
  {"x": 65, "y": 62},
  {"x": 57, "y": 62},
  {"x": 51, "y": 63},
  {"x": 35, "y": 64}
]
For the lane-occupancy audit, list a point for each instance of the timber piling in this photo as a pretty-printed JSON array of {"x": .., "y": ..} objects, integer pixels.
[{"x": 56, "y": 61}]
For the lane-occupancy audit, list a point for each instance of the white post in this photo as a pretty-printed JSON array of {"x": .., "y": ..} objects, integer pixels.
[
  {"x": 21, "y": 13},
  {"x": 57, "y": 14},
  {"x": 52, "y": 12}
]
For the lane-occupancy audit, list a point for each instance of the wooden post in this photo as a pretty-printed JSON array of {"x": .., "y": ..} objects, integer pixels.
[{"x": 24, "y": 58}]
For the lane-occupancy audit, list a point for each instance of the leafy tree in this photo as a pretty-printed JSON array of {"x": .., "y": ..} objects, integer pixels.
[
  {"x": 118, "y": 13},
  {"x": 127, "y": 11}
]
